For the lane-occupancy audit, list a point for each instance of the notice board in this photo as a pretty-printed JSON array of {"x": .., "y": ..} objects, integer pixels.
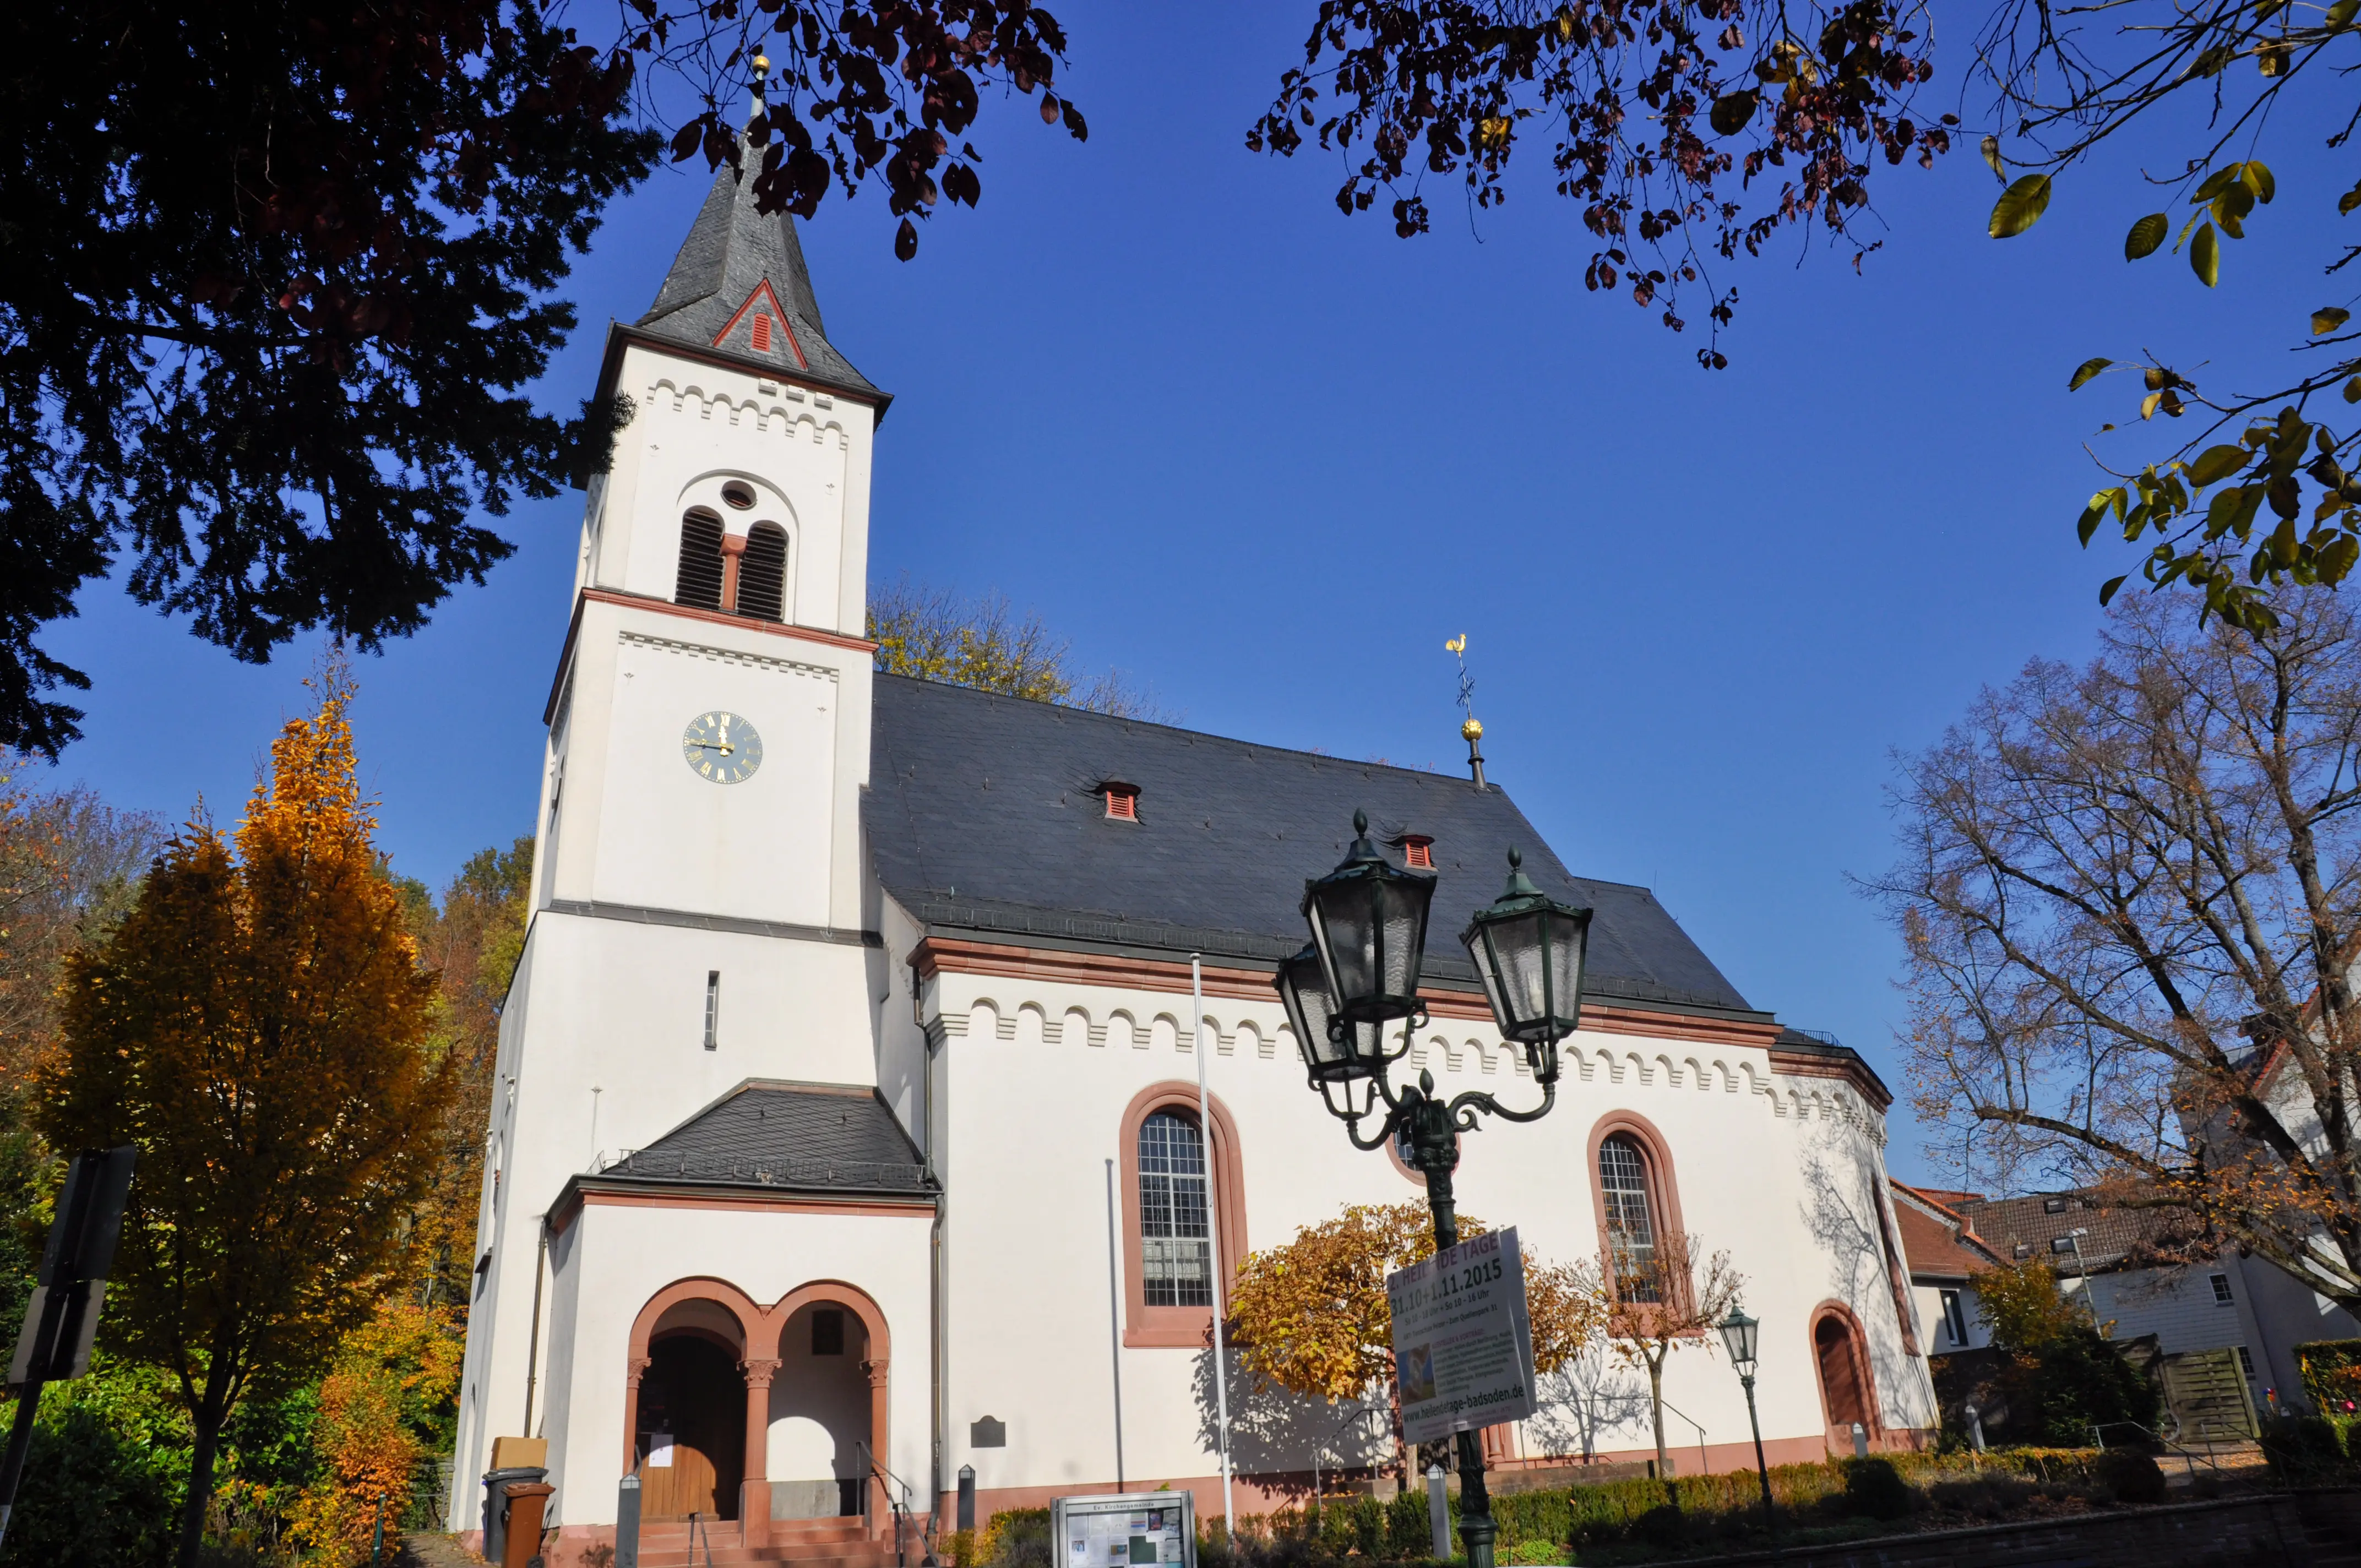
[{"x": 1124, "y": 1529}]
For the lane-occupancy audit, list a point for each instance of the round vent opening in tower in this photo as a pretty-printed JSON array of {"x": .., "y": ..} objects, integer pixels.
[{"x": 739, "y": 496}]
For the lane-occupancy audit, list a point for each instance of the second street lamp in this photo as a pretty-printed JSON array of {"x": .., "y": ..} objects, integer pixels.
[
  {"x": 1367, "y": 919},
  {"x": 1738, "y": 1336}
]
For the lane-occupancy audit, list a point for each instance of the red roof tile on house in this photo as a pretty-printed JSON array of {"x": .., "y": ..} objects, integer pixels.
[{"x": 1937, "y": 1241}]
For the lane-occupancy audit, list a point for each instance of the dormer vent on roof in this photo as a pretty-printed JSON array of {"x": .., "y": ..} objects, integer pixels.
[
  {"x": 1121, "y": 800},
  {"x": 1418, "y": 850}
]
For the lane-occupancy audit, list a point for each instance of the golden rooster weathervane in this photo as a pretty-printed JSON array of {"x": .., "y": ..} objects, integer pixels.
[{"x": 1471, "y": 731}]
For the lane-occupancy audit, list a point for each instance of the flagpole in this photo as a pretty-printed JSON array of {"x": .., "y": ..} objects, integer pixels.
[{"x": 1214, "y": 1234}]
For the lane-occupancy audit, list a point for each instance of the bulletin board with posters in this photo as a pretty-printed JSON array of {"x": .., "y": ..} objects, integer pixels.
[{"x": 1125, "y": 1530}]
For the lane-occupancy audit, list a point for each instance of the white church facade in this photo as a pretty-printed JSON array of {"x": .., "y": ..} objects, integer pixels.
[{"x": 845, "y": 1131}]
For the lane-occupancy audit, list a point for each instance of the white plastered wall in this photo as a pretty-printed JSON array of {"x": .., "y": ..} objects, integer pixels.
[
  {"x": 623, "y": 1255},
  {"x": 1781, "y": 1172}
]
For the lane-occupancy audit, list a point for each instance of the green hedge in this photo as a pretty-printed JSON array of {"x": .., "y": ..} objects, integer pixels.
[{"x": 2332, "y": 1375}]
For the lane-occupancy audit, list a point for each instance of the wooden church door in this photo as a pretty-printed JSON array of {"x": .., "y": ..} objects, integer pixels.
[{"x": 692, "y": 1431}]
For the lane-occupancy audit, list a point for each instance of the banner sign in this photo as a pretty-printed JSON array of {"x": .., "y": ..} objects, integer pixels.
[{"x": 1463, "y": 1345}]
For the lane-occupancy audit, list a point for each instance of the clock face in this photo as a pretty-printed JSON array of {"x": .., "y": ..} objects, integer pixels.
[{"x": 722, "y": 746}]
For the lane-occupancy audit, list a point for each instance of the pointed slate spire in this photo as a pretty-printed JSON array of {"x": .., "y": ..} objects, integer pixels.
[{"x": 739, "y": 285}]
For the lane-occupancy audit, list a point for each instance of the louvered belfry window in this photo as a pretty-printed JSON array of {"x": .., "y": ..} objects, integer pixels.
[
  {"x": 699, "y": 583},
  {"x": 763, "y": 573},
  {"x": 1631, "y": 1222},
  {"x": 1176, "y": 1249}
]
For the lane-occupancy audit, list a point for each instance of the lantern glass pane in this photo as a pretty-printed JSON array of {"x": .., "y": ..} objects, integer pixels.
[
  {"x": 1402, "y": 948},
  {"x": 1738, "y": 1332},
  {"x": 1569, "y": 944}
]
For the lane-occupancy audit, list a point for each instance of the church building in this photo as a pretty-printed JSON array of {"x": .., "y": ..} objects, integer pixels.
[{"x": 846, "y": 1136}]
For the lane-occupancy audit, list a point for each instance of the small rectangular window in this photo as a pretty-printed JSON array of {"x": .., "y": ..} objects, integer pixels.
[
  {"x": 2246, "y": 1363},
  {"x": 827, "y": 1331},
  {"x": 712, "y": 1010},
  {"x": 2221, "y": 1283},
  {"x": 1955, "y": 1319},
  {"x": 2061, "y": 1243},
  {"x": 2053, "y": 1205}
]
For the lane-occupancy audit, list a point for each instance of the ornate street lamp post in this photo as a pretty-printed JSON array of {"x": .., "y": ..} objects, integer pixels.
[
  {"x": 1361, "y": 973},
  {"x": 1738, "y": 1334}
]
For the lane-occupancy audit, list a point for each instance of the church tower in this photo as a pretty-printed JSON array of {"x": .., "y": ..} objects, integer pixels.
[{"x": 699, "y": 917}]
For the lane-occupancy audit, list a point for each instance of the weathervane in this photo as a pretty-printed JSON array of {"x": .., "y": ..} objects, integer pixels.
[{"x": 1471, "y": 731}]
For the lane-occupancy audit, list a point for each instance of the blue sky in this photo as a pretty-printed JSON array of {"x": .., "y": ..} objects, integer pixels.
[{"x": 1266, "y": 460}]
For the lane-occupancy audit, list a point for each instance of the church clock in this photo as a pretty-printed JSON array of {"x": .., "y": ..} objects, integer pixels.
[{"x": 721, "y": 747}]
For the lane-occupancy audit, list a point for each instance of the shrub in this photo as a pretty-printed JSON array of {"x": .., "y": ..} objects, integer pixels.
[
  {"x": 1665, "y": 1525},
  {"x": 2302, "y": 1448},
  {"x": 2332, "y": 1374},
  {"x": 1985, "y": 1497},
  {"x": 1874, "y": 1488},
  {"x": 2078, "y": 1381},
  {"x": 1016, "y": 1538},
  {"x": 2129, "y": 1475}
]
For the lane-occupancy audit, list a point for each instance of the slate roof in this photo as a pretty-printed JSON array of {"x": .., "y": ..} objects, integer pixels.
[
  {"x": 794, "y": 1136},
  {"x": 982, "y": 815},
  {"x": 2020, "y": 1228},
  {"x": 730, "y": 252}
]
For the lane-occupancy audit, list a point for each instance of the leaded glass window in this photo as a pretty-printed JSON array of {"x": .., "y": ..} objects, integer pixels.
[
  {"x": 1630, "y": 1222},
  {"x": 1176, "y": 1251}
]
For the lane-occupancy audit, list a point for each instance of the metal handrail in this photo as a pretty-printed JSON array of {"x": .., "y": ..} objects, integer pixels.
[
  {"x": 2169, "y": 1444},
  {"x": 899, "y": 1505},
  {"x": 1703, "y": 1464}
]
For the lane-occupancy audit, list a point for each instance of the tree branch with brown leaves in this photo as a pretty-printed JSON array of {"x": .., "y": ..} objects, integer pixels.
[
  {"x": 1665, "y": 116},
  {"x": 2130, "y": 900}
]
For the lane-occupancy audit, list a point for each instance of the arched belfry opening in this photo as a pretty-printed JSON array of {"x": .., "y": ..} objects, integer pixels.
[
  {"x": 820, "y": 1412},
  {"x": 699, "y": 581},
  {"x": 763, "y": 573}
]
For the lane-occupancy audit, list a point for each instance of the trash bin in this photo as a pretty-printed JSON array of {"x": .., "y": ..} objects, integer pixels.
[
  {"x": 495, "y": 1504},
  {"x": 520, "y": 1538}
]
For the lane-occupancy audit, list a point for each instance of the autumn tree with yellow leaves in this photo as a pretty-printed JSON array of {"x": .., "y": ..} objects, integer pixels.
[
  {"x": 259, "y": 1026},
  {"x": 1311, "y": 1317}
]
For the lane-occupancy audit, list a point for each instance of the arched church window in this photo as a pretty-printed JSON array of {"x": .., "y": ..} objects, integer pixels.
[
  {"x": 1176, "y": 1251},
  {"x": 1624, "y": 1190},
  {"x": 763, "y": 573},
  {"x": 699, "y": 581}
]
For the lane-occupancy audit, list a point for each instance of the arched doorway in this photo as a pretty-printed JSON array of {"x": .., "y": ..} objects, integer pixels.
[
  {"x": 1844, "y": 1380},
  {"x": 692, "y": 1429},
  {"x": 820, "y": 1412}
]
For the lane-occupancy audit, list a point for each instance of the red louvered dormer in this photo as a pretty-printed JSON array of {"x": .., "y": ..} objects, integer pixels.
[
  {"x": 1122, "y": 801},
  {"x": 1418, "y": 851}
]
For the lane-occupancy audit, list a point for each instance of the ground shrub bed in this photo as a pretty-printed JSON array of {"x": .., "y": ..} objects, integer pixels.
[{"x": 1638, "y": 1521}]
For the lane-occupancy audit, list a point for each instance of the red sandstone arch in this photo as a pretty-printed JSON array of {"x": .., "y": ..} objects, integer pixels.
[
  {"x": 758, "y": 1347},
  {"x": 1841, "y": 1359}
]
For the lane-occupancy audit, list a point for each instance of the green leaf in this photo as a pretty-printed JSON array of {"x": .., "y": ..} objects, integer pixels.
[
  {"x": 2221, "y": 180},
  {"x": 2337, "y": 559},
  {"x": 2353, "y": 390},
  {"x": 2258, "y": 179},
  {"x": 2107, "y": 590},
  {"x": 2217, "y": 463},
  {"x": 2205, "y": 256},
  {"x": 1990, "y": 146},
  {"x": 2340, "y": 15},
  {"x": 2020, "y": 206},
  {"x": 2084, "y": 371},
  {"x": 2148, "y": 233},
  {"x": 2329, "y": 320}
]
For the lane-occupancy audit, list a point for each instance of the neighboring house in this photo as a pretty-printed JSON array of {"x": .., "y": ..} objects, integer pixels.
[
  {"x": 2112, "y": 1259},
  {"x": 851, "y": 1051},
  {"x": 1945, "y": 1255}
]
